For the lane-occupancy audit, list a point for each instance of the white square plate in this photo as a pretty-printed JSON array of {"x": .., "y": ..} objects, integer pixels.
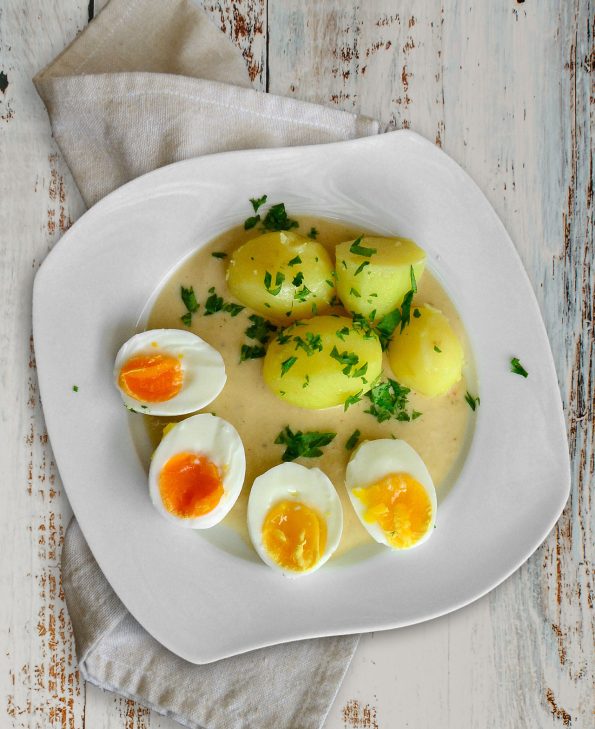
[{"x": 198, "y": 600}]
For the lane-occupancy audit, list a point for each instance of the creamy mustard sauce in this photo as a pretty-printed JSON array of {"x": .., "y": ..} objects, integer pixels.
[{"x": 440, "y": 435}]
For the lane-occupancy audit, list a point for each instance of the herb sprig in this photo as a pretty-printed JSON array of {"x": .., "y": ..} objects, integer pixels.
[
  {"x": 302, "y": 445},
  {"x": 390, "y": 400}
]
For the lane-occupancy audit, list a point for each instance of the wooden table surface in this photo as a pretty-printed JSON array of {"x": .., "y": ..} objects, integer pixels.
[{"x": 506, "y": 88}]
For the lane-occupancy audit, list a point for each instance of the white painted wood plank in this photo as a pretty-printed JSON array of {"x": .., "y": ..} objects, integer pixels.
[{"x": 39, "y": 684}]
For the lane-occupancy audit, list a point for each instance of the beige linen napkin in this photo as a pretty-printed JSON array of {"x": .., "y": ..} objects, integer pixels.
[{"x": 146, "y": 84}]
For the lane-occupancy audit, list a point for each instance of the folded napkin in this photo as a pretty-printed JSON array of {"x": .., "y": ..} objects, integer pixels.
[{"x": 146, "y": 84}]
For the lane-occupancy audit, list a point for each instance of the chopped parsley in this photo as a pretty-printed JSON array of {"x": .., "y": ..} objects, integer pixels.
[
  {"x": 407, "y": 299},
  {"x": 312, "y": 343},
  {"x": 352, "y": 400},
  {"x": 268, "y": 280},
  {"x": 355, "y": 292},
  {"x": 260, "y": 329},
  {"x": 517, "y": 367},
  {"x": 313, "y": 233},
  {"x": 302, "y": 445},
  {"x": 215, "y": 303},
  {"x": 389, "y": 400},
  {"x": 283, "y": 338},
  {"x": 361, "y": 267},
  {"x": 473, "y": 402},
  {"x": 342, "y": 333},
  {"x": 386, "y": 327},
  {"x": 258, "y": 202},
  {"x": 361, "y": 250},
  {"x": 298, "y": 278},
  {"x": 190, "y": 302},
  {"x": 219, "y": 254},
  {"x": 295, "y": 261},
  {"x": 346, "y": 359},
  {"x": 233, "y": 309},
  {"x": 189, "y": 299},
  {"x": 251, "y": 352},
  {"x": 306, "y": 381},
  {"x": 302, "y": 294},
  {"x": 416, "y": 313},
  {"x": 287, "y": 365},
  {"x": 437, "y": 349},
  {"x": 352, "y": 440},
  {"x": 277, "y": 219},
  {"x": 314, "y": 308},
  {"x": 75, "y": 388},
  {"x": 250, "y": 223}
]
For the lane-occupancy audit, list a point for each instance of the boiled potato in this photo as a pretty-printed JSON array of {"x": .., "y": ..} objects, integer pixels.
[
  {"x": 376, "y": 278},
  {"x": 427, "y": 355},
  {"x": 282, "y": 276},
  {"x": 320, "y": 362}
]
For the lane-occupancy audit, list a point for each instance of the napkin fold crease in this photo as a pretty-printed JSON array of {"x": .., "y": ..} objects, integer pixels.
[{"x": 150, "y": 82}]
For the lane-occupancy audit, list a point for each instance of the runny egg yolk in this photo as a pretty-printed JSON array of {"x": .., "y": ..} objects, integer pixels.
[
  {"x": 400, "y": 505},
  {"x": 151, "y": 377},
  {"x": 294, "y": 535},
  {"x": 190, "y": 485}
]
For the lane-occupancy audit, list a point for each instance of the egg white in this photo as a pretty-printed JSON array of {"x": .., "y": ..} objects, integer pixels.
[
  {"x": 293, "y": 482},
  {"x": 371, "y": 462},
  {"x": 218, "y": 440},
  {"x": 202, "y": 367}
]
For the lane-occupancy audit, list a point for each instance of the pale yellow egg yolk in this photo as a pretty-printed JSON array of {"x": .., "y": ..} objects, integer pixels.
[
  {"x": 400, "y": 505},
  {"x": 151, "y": 377},
  {"x": 190, "y": 485},
  {"x": 294, "y": 535}
]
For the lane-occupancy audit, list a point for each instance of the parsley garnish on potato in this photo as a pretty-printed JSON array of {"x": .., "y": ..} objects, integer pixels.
[
  {"x": 287, "y": 364},
  {"x": 268, "y": 280},
  {"x": 312, "y": 343},
  {"x": 313, "y": 233},
  {"x": 219, "y": 254},
  {"x": 352, "y": 400},
  {"x": 302, "y": 445},
  {"x": 517, "y": 367},
  {"x": 361, "y": 250},
  {"x": 348, "y": 359}
]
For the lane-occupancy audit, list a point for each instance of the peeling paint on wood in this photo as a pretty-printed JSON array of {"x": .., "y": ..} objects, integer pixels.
[{"x": 505, "y": 88}]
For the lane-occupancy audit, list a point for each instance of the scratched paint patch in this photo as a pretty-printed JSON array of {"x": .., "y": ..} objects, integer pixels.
[
  {"x": 356, "y": 716},
  {"x": 244, "y": 22}
]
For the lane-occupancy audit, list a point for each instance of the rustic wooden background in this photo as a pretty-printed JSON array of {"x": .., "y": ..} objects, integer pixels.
[{"x": 506, "y": 88}]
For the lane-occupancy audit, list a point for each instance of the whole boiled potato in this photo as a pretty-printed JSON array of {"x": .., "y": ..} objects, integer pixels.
[
  {"x": 321, "y": 362},
  {"x": 282, "y": 276},
  {"x": 374, "y": 274},
  {"x": 427, "y": 355}
]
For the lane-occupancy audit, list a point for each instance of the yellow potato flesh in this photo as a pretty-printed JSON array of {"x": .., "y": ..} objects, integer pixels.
[
  {"x": 374, "y": 285},
  {"x": 427, "y": 356},
  {"x": 315, "y": 379},
  {"x": 287, "y": 257}
]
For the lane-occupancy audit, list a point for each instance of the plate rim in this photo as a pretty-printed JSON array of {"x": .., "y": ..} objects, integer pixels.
[{"x": 407, "y": 136}]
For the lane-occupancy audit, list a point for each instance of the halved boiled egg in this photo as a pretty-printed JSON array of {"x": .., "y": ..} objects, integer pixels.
[
  {"x": 295, "y": 519},
  {"x": 168, "y": 372},
  {"x": 392, "y": 493},
  {"x": 197, "y": 471}
]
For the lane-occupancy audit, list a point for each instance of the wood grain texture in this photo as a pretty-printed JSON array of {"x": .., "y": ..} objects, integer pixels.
[{"x": 507, "y": 89}]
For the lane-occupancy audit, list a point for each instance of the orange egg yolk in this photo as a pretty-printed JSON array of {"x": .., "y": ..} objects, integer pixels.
[
  {"x": 151, "y": 377},
  {"x": 190, "y": 485},
  {"x": 294, "y": 535},
  {"x": 400, "y": 505}
]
